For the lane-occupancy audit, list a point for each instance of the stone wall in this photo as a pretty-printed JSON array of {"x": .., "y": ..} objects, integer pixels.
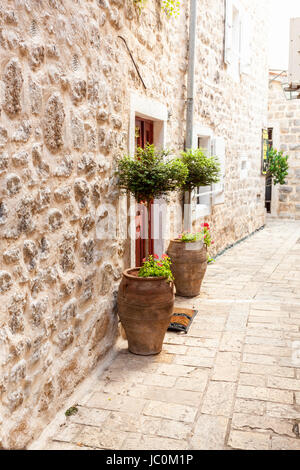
[
  {"x": 65, "y": 107},
  {"x": 284, "y": 119},
  {"x": 237, "y": 111},
  {"x": 65, "y": 77}
]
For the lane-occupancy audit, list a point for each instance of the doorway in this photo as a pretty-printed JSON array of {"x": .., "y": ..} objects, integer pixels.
[{"x": 143, "y": 220}]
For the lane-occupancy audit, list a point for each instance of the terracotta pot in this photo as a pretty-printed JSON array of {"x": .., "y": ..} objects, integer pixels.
[
  {"x": 189, "y": 264},
  {"x": 145, "y": 308}
]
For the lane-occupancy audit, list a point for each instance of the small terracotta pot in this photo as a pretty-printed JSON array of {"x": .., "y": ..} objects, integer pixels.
[
  {"x": 145, "y": 308},
  {"x": 189, "y": 264}
]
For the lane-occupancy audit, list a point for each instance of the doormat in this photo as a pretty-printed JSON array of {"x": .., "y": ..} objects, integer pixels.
[{"x": 182, "y": 319}]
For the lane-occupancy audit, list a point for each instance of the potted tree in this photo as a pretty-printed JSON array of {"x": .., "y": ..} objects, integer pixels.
[
  {"x": 276, "y": 170},
  {"x": 188, "y": 253},
  {"x": 146, "y": 294}
]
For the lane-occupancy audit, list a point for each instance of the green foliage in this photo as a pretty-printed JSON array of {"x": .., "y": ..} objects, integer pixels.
[
  {"x": 277, "y": 166},
  {"x": 202, "y": 170},
  {"x": 71, "y": 411},
  {"x": 207, "y": 235},
  {"x": 170, "y": 7},
  {"x": 190, "y": 237},
  {"x": 204, "y": 234},
  {"x": 155, "y": 267},
  {"x": 148, "y": 176}
]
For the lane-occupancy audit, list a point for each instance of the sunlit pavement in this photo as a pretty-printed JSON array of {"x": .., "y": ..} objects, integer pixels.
[{"x": 232, "y": 383}]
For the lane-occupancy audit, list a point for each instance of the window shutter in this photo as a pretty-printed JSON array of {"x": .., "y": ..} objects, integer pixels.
[
  {"x": 219, "y": 188},
  {"x": 228, "y": 32},
  {"x": 246, "y": 41},
  {"x": 294, "y": 60}
]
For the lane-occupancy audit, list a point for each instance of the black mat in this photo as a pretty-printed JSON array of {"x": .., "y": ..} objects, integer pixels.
[{"x": 182, "y": 319}]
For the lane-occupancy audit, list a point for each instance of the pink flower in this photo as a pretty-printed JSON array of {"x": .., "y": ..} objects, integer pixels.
[
  {"x": 180, "y": 237},
  {"x": 144, "y": 260},
  {"x": 165, "y": 257},
  {"x": 212, "y": 242},
  {"x": 160, "y": 265},
  {"x": 156, "y": 257}
]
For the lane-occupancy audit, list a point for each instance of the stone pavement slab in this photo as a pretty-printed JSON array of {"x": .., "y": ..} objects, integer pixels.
[{"x": 232, "y": 383}]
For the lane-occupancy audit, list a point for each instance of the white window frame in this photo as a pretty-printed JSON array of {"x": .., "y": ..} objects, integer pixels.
[
  {"x": 202, "y": 209},
  {"x": 218, "y": 189},
  {"x": 238, "y": 50},
  {"x": 294, "y": 57},
  {"x": 203, "y": 193},
  {"x": 216, "y": 192}
]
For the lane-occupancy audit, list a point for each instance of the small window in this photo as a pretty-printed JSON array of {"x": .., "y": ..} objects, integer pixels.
[
  {"x": 236, "y": 42},
  {"x": 205, "y": 144},
  {"x": 238, "y": 38}
]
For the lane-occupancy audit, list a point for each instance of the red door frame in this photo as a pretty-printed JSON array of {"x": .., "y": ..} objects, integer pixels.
[{"x": 144, "y": 136}]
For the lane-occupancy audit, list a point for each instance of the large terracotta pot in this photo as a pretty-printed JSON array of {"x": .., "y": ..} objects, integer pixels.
[
  {"x": 145, "y": 308},
  {"x": 189, "y": 264}
]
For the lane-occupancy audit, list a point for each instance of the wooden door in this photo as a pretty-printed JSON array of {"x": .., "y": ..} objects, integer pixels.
[{"x": 144, "y": 136}]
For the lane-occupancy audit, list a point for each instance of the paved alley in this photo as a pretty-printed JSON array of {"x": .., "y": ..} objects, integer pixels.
[{"x": 232, "y": 383}]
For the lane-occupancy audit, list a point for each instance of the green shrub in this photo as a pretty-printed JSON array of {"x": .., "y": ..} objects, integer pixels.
[
  {"x": 149, "y": 176},
  {"x": 202, "y": 170},
  {"x": 204, "y": 235},
  {"x": 277, "y": 166},
  {"x": 155, "y": 267}
]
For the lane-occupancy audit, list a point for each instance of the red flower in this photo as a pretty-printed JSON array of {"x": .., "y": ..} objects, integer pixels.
[
  {"x": 205, "y": 226},
  {"x": 212, "y": 242},
  {"x": 165, "y": 257},
  {"x": 144, "y": 260},
  {"x": 160, "y": 265},
  {"x": 156, "y": 257}
]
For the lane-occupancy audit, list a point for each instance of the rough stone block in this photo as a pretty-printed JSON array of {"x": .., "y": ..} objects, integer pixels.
[
  {"x": 13, "y": 80},
  {"x": 53, "y": 123}
]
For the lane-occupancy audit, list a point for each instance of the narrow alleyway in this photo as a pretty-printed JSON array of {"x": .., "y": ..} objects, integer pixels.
[{"x": 232, "y": 383}]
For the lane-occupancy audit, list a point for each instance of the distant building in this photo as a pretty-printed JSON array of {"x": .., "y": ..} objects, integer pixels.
[{"x": 284, "y": 134}]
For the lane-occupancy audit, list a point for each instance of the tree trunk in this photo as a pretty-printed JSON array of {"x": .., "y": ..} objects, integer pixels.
[
  {"x": 147, "y": 204},
  {"x": 187, "y": 213}
]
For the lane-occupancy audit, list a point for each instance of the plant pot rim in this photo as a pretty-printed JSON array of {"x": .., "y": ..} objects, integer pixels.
[
  {"x": 178, "y": 240},
  {"x": 127, "y": 274}
]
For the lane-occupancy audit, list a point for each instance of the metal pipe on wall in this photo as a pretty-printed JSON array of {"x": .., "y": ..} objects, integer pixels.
[
  {"x": 191, "y": 75},
  {"x": 189, "y": 137}
]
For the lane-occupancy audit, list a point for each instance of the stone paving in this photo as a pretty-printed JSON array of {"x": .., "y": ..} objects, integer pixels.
[{"x": 232, "y": 383}]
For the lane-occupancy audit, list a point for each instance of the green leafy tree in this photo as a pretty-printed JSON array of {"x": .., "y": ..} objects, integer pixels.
[
  {"x": 149, "y": 175},
  {"x": 202, "y": 170},
  {"x": 277, "y": 166}
]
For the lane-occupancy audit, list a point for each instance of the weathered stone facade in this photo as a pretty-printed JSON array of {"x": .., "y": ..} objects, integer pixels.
[
  {"x": 66, "y": 79},
  {"x": 234, "y": 109},
  {"x": 284, "y": 119}
]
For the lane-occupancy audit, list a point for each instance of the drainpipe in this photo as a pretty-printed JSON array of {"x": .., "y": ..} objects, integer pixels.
[{"x": 190, "y": 103}]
